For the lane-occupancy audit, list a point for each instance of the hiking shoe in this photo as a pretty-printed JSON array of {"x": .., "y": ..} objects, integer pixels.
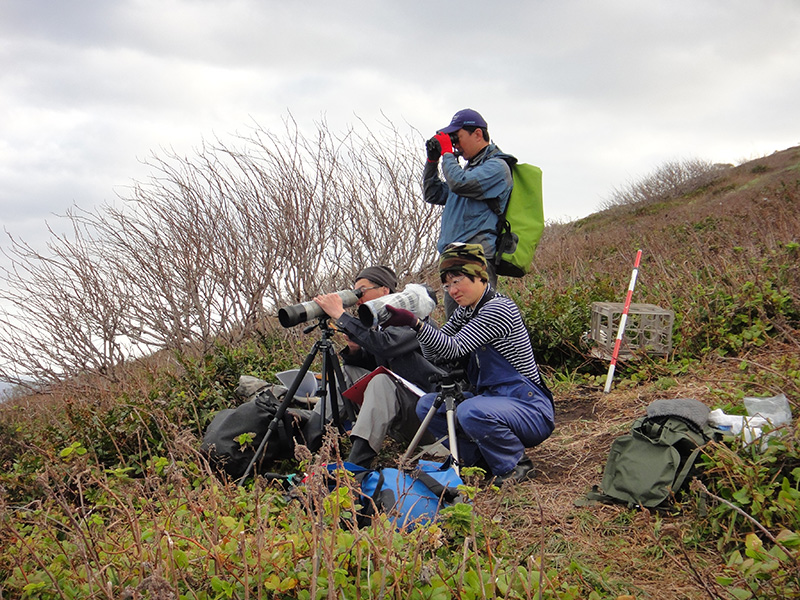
[
  {"x": 522, "y": 472},
  {"x": 361, "y": 453}
]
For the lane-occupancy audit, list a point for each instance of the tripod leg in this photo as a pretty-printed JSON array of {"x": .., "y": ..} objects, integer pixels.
[
  {"x": 333, "y": 384},
  {"x": 287, "y": 399},
  {"x": 451, "y": 431},
  {"x": 328, "y": 388},
  {"x": 422, "y": 429},
  {"x": 349, "y": 411}
]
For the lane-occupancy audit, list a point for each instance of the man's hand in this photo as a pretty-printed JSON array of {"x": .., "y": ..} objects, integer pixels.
[
  {"x": 331, "y": 304},
  {"x": 434, "y": 149},
  {"x": 445, "y": 143},
  {"x": 399, "y": 317},
  {"x": 351, "y": 345}
]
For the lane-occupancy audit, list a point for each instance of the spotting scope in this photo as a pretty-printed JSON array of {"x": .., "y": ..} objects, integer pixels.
[{"x": 289, "y": 316}]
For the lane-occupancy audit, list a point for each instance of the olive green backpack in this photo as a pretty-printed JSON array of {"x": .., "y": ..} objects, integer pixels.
[{"x": 654, "y": 462}]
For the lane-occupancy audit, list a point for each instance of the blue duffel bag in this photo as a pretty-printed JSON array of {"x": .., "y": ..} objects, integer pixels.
[{"x": 408, "y": 497}]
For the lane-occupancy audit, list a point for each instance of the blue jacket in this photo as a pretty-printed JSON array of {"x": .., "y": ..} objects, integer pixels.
[{"x": 464, "y": 191}]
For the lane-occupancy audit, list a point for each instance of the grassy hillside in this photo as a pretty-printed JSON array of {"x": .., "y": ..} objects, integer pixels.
[
  {"x": 103, "y": 493},
  {"x": 724, "y": 257}
]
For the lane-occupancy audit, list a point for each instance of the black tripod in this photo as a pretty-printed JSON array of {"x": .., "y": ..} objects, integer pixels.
[
  {"x": 449, "y": 395},
  {"x": 331, "y": 376}
]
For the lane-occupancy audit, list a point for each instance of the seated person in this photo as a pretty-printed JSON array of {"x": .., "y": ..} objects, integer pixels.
[
  {"x": 511, "y": 408},
  {"x": 388, "y": 406}
]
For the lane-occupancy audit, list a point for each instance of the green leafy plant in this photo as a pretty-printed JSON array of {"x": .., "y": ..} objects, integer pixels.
[
  {"x": 73, "y": 450},
  {"x": 245, "y": 439},
  {"x": 754, "y": 491}
]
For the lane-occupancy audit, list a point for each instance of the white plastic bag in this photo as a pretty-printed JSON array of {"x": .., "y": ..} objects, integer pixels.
[
  {"x": 737, "y": 424},
  {"x": 775, "y": 410}
]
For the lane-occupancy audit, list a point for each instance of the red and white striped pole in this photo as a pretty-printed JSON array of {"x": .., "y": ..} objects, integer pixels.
[{"x": 623, "y": 319}]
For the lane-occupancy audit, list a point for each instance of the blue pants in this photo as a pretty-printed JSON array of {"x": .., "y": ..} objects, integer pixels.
[{"x": 495, "y": 427}]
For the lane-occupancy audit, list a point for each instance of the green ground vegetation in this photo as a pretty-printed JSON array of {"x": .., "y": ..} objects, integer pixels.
[{"x": 104, "y": 494}]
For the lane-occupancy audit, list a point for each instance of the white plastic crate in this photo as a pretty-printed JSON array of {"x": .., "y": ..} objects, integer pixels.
[{"x": 648, "y": 327}]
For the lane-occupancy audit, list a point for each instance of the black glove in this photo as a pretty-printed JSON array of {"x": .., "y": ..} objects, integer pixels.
[{"x": 434, "y": 149}]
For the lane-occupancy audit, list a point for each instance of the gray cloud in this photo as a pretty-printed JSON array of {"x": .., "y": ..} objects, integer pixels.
[{"x": 595, "y": 93}]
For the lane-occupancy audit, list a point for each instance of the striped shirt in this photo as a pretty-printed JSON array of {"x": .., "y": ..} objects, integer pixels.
[{"x": 498, "y": 323}]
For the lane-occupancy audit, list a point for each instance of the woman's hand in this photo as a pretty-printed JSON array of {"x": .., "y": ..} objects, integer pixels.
[{"x": 400, "y": 317}]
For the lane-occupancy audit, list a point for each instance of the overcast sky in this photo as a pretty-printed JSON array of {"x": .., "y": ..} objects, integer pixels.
[{"x": 597, "y": 93}]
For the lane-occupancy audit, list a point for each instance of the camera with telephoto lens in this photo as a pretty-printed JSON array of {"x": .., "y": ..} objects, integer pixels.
[
  {"x": 289, "y": 316},
  {"x": 417, "y": 298}
]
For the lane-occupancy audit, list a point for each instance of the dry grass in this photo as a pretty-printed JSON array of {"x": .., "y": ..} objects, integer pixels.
[
  {"x": 622, "y": 551},
  {"x": 748, "y": 210},
  {"x": 615, "y": 548}
]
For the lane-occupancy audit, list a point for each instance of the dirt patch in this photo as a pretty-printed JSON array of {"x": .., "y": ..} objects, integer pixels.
[
  {"x": 580, "y": 405},
  {"x": 585, "y": 427},
  {"x": 613, "y": 546}
]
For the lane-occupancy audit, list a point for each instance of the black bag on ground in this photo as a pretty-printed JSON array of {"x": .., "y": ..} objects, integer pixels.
[
  {"x": 226, "y": 454},
  {"x": 657, "y": 459}
]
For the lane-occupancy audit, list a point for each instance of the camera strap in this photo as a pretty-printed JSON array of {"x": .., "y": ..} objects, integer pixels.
[{"x": 488, "y": 295}]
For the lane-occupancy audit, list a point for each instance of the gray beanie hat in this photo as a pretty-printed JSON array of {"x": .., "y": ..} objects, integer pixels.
[{"x": 381, "y": 275}]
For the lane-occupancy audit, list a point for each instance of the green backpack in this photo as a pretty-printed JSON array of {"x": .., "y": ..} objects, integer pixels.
[
  {"x": 657, "y": 459},
  {"x": 520, "y": 228}
]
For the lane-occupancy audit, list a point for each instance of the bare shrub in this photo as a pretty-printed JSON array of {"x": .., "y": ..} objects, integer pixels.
[
  {"x": 673, "y": 179},
  {"x": 211, "y": 245},
  {"x": 62, "y": 312}
]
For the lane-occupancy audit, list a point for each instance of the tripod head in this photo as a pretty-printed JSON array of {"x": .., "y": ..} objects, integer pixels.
[
  {"x": 448, "y": 379},
  {"x": 323, "y": 323}
]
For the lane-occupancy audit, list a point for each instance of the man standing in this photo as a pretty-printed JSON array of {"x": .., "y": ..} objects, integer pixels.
[
  {"x": 389, "y": 406},
  {"x": 465, "y": 191}
]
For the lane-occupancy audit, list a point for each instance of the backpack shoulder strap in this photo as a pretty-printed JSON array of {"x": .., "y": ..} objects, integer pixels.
[
  {"x": 503, "y": 229},
  {"x": 448, "y": 494},
  {"x": 688, "y": 465},
  {"x": 494, "y": 203}
]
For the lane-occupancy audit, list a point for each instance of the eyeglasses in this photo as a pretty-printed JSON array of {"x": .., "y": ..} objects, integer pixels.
[
  {"x": 361, "y": 290},
  {"x": 453, "y": 283}
]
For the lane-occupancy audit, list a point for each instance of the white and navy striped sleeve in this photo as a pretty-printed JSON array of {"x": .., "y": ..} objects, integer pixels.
[{"x": 498, "y": 323}]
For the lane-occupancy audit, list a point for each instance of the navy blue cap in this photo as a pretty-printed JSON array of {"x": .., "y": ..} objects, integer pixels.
[{"x": 466, "y": 117}]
